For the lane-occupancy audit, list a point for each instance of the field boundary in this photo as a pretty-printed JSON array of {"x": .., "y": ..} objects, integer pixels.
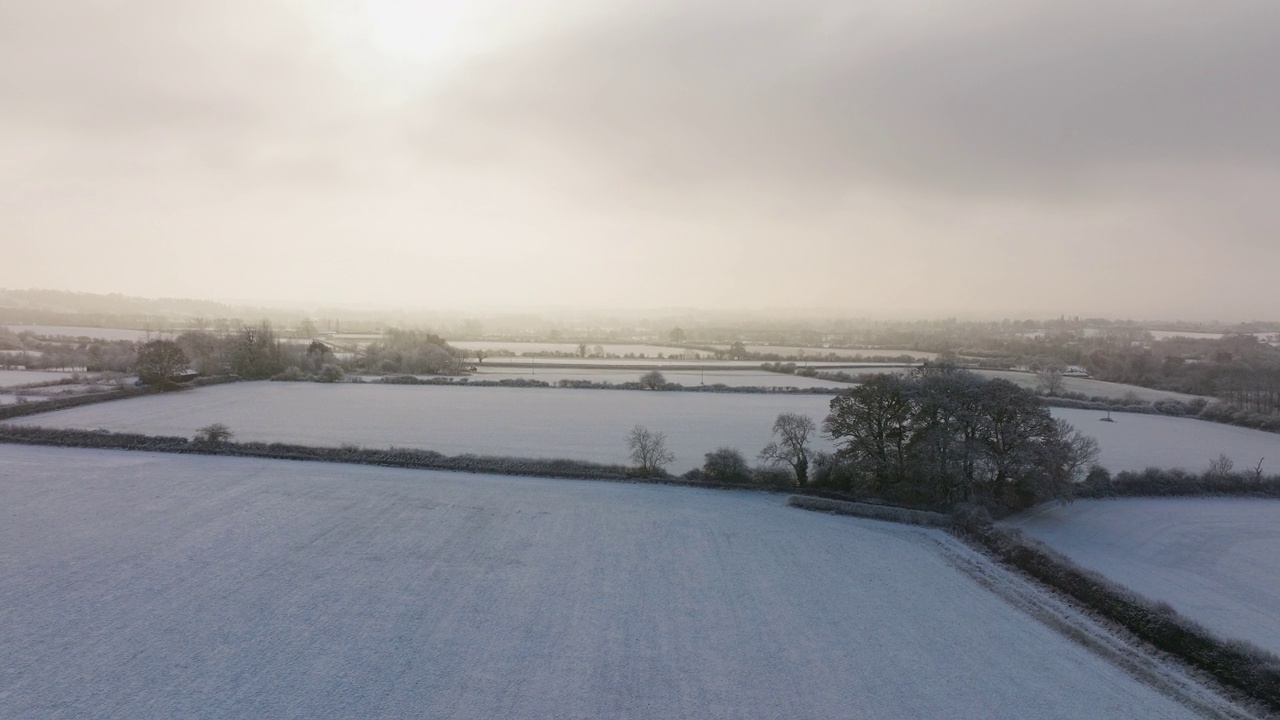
[
  {"x": 1235, "y": 664},
  {"x": 870, "y": 511},
  {"x": 407, "y": 458},
  {"x": 17, "y": 410}
]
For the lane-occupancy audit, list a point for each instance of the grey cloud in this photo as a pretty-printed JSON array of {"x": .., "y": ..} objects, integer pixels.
[{"x": 1022, "y": 97}]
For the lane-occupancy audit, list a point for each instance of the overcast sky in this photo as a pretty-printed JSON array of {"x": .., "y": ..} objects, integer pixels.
[{"x": 895, "y": 158}]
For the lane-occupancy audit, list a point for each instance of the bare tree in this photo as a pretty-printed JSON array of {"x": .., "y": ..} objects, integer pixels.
[
  {"x": 649, "y": 450},
  {"x": 652, "y": 380},
  {"x": 1050, "y": 381},
  {"x": 792, "y": 446},
  {"x": 159, "y": 361}
]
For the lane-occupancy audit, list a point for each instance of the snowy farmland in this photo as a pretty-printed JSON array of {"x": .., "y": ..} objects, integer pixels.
[
  {"x": 18, "y": 378},
  {"x": 1136, "y": 442},
  {"x": 141, "y": 585},
  {"x": 96, "y": 333},
  {"x": 1089, "y": 387},
  {"x": 582, "y": 424},
  {"x": 745, "y": 377},
  {"x": 528, "y": 422},
  {"x": 1213, "y": 559}
]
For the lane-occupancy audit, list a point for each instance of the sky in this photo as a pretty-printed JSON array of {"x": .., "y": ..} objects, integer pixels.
[{"x": 1011, "y": 158}]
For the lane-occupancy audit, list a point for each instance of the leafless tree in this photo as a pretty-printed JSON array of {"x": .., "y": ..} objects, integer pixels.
[
  {"x": 792, "y": 446},
  {"x": 649, "y": 450}
]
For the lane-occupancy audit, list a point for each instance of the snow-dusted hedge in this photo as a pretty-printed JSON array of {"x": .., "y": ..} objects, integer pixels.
[
  {"x": 868, "y": 510},
  {"x": 394, "y": 457},
  {"x": 599, "y": 385},
  {"x": 1238, "y": 664},
  {"x": 63, "y": 402},
  {"x": 1156, "y": 482}
]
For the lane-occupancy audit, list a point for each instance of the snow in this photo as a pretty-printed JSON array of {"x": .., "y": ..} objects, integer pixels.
[
  {"x": 139, "y": 585},
  {"x": 796, "y": 350},
  {"x": 96, "y": 333},
  {"x": 520, "y": 348},
  {"x": 745, "y": 377},
  {"x": 1213, "y": 559},
  {"x": 584, "y": 424},
  {"x": 1135, "y": 441},
  {"x": 1090, "y": 387},
  {"x": 527, "y": 422},
  {"x": 14, "y": 378}
]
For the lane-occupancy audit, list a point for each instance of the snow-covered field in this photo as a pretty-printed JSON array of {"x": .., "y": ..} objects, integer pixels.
[
  {"x": 1213, "y": 559},
  {"x": 1089, "y": 386},
  {"x": 529, "y": 422},
  {"x": 14, "y": 378},
  {"x": 789, "y": 350},
  {"x": 520, "y": 348},
  {"x": 1135, "y": 442},
  {"x": 745, "y": 377},
  {"x": 663, "y": 362},
  {"x": 139, "y": 585},
  {"x": 96, "y": 333},
  {"x": 583, "y": 424}
]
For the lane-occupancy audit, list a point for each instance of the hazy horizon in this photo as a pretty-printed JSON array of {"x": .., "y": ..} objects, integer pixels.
[{"x": 883, "y": 159}]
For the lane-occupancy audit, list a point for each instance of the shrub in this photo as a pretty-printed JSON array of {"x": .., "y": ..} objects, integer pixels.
[
  {"x": 291, "y": 374},
  {"x": 329, "y": 373},
  {"x": 726, "y": 465},
  {"x": 214, "y": 434}
]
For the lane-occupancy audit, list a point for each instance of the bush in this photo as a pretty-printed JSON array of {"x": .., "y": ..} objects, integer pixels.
[
  {"x": 726, "y": 465},
  {"x": 291, "y": 374},
  {"x": 214, "y": 434},
  {"x": 773, "y": 477},
  {"x": 329, "y": 373}
]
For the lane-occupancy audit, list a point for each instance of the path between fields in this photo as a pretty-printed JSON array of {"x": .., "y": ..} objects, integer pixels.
[{"x": 1164, "y": 674}]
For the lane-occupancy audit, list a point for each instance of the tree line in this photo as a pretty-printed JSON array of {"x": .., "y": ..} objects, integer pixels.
[{"x": 936, "y": 438}]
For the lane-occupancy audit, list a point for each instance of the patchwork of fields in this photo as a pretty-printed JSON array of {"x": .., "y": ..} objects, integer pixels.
[
  {"x": 139, "y": 585},
  {"x": 583, "y": 424},
  {"x": 1213, "y": 559}
]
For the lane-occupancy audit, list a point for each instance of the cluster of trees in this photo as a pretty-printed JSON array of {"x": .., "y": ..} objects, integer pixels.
[
  {"x": 944, "y": 436},
  {"x": 412, "y": 352},
  {"x": 785, "y": 460}
]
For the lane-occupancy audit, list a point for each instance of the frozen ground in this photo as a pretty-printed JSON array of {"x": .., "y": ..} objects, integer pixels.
[
  {"x": 788, "y": 350},
  {"x": 89, "y": 332},
  {"x": 745, "y": 377},
  {"x": 1212, "y": 559},
  {"x": 13, "y": 378},
  {"x": 520, "y": 348},
  {"x": 1089, "y": 386},
  {"x": 1135, "y": 441},
  {"x": 531, "y": 422},
  {"x": 138, "y": 585},
  {"x": 582, "y": 424}
]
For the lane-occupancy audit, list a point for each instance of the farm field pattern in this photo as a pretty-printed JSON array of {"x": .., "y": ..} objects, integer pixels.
[{"x": 584, "y": 424}]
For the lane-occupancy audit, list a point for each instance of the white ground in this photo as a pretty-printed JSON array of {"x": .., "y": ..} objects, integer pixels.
[
  {"x": 520, "y": 348},
  {"x": 139, "y": 585},
  {"x": 531, "y": 422},
  {"x": 90, "y": 332},
  {"x": 1135, "y": 441},
  {"x": 787, "y": 350},
  {"x": 702, "y": 363},
  {"x": 583, "y": 424},
  {"x": 1089, "y": 386},
  {"x": 13, "y": 378},
  {"x": 1212, "y": 559},
  {"x": 745, "y": 377}
]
